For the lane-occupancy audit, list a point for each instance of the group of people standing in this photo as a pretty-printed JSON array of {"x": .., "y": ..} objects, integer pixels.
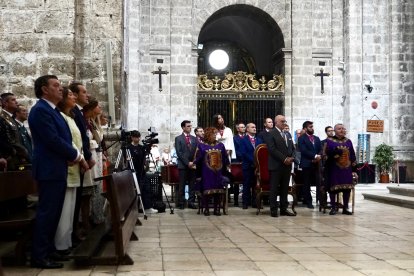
[
  {"x": 66, "y": 152},
  {"x": 205, "y": 159}
]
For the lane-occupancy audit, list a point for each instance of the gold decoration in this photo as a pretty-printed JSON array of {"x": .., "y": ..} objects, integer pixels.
[
  {"x": 241, "y": 81},
  {"x": 213, "y": 159}
]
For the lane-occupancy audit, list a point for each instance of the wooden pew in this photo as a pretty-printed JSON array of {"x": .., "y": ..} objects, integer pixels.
[
  {"x": 16, "y": 220},
  {"x": 107, "y": 243}
]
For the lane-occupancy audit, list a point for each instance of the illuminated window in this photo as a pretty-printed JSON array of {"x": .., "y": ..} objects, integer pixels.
[{"x": 218, "y": 59}]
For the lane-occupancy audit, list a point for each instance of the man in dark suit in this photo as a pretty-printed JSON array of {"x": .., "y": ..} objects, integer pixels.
[
  {"x": 185, "y": 146},
  {"x": 241, "y": 133},
  {"x": 310, "y": 151},
  {"x": 247, "y": 147},
  {"x": 52, "y": 152},
  {"x": 268, "y": 126},
  {"x": 281, "y": 156},
  {"x": 82, "y": 99}
]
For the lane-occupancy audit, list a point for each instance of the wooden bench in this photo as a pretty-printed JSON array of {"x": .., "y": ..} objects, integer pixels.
[
  {"x": 107, "y": 243},
  {"x": 16, "y": 220}
]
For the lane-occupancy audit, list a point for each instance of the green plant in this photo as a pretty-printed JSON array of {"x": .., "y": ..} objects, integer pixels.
[{"x": 384, "y": 158}]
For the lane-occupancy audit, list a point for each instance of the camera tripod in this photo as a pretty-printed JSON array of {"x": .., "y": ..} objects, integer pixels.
[
  {"x": 124, "y": 152},
  {"x": 149, "y": 154}
]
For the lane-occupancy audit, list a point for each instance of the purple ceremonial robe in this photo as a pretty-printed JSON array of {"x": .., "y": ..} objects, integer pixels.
[
  {"x": 341, "y": 159},
  {"x": 213, "y": 160}
]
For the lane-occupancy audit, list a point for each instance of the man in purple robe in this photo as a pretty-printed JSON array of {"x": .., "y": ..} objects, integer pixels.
[{"x": 340, "y": 166}]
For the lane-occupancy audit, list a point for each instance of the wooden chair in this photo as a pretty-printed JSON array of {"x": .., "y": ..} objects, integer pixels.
[
  {"x": 339, "y": 199},
  {"x": 261, "y": 155},
  {"x": 237, "y": 179},
  {"x": 170, "y": 176}
]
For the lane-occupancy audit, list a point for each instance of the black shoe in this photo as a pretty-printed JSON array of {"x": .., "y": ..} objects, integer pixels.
[
  {"x": 55, "y": 256},
  {"x": 206, "y": 212},
  {"x": 217, "y": 213},
  {"x": 346, "y": 212},
  {"x": 245, "y": 206},
  {"x": 332, "y": 212},
  {"x": 64, "y": 252},
  {"x": 310, "y": 206},
  {"x": 287, "y": 213},
  {"x": 273, "y": 213},
  {"x": 45, "y": 264}
]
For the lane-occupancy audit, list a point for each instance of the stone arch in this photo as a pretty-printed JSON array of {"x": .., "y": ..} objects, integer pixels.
[
  {"x": 278, "y": 10},
  {"x": 248, "y": 28}
]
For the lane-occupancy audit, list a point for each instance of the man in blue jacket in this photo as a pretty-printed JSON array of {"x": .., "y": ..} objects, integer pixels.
[
  {"x": 310, "y": 149},
  {"x": 53, "y": 152},
  {"x": 247, "y": 147}
]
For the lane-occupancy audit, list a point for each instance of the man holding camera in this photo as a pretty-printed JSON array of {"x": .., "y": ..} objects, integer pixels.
[
  {"x": 186, "y": 146},
  {"x": 138, "y": 159}
]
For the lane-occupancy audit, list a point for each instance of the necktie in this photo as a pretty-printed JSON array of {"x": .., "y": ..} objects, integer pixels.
[
  {"x": 312, "y": 139},
  {"x": 187, "y": 140},
  {"x": 252, "y": 140},
  {"x": 284, "y": 137}
]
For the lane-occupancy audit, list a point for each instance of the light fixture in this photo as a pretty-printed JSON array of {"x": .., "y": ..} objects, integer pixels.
[{"x": 218, "y": 59}]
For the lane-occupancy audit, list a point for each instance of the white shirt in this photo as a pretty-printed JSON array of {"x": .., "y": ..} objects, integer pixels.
[{"x": 227, "y": 140}]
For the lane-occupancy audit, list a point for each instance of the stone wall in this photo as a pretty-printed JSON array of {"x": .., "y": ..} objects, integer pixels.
[{"x": 58, "y": 37}]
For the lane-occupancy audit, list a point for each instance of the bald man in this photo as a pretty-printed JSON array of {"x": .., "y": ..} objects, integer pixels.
[{"x": 281, "y": 157}]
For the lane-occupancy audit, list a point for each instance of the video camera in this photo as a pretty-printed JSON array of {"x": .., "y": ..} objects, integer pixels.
[
  {"x": 150, "y": 140},
  {"x": 125, "y": 136}
]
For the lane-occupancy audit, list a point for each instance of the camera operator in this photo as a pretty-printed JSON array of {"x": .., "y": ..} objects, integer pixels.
[{"x": 138, "y": 159}]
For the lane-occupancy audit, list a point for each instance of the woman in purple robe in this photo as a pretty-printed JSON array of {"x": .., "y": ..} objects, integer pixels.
[
  {"x": 340, "y": 166},
  {"x": 212, "y": 157}
]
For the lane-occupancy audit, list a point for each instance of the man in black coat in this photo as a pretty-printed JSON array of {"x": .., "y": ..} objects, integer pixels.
[
  {"x": 281, "y": 157},
  {"x": 185, "y": 146}
]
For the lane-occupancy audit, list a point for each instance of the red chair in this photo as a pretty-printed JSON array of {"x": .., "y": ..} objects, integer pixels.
[
  {"x": 170, "y": 176},
  {"x": 236, "y": 180},
  {"x": 261, "y": 159}
]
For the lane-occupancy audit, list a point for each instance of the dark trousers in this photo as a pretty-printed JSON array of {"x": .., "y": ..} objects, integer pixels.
[
  {"x": 187, "y": 177},
  {"x": 311, "y": 177},
  {"x": 77, "y": 206},
  {"x": 51, "y": 197},
  {"x": 279, "y": 186},
  {"x": 248, "y": 183},
  {"x": 144, "y": 186}
]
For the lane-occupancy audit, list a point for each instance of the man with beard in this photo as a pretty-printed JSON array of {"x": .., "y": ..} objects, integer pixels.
[{"x": 310, "y": 149}]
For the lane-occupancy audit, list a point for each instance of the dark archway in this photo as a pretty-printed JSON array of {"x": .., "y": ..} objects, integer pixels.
[{"x": 250, "y": 36}]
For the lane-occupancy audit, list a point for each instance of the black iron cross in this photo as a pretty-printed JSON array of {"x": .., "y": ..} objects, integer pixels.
[
  {"x": 159, "y": 73},
  {"x": 321, "y": 74}
]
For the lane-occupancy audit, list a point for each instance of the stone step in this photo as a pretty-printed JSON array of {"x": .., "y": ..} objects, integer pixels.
[
  {"x": 404, "y": 190},
  {"x": 393, "y": 199}
]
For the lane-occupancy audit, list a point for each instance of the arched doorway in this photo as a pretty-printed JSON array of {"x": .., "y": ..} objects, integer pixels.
[{"x": 253, "y": 42}]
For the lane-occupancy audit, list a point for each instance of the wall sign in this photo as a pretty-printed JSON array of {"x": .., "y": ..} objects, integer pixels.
[{"x": 375, "y": 125}]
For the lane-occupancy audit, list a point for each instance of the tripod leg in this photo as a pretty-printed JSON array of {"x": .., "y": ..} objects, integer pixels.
[
  {"x": 138, "y": 190},
  {"x": 166, "y": 197}
]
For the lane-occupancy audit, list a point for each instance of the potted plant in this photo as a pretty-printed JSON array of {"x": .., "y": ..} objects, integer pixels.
[{"x": 384, "y": 159}]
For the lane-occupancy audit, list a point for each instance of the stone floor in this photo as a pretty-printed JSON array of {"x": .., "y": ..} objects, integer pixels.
[{"x": 377, "y": 240}]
